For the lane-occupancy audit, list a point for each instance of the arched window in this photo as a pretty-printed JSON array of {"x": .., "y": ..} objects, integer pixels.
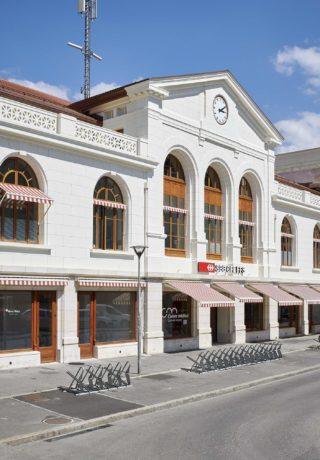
[
  {"x": 108, "y": 216},
  {"x": 212, "y": 213},
  {"x": 19, "y": 218},
  {"x": 316, "y": 247},
  {"x": 174, "y": 210},
  {"x": 246, "y": 224},
  {"x": 286, "y": 243}
]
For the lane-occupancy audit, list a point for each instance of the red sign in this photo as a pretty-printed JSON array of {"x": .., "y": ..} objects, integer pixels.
[{"x": 207, "y": 267}]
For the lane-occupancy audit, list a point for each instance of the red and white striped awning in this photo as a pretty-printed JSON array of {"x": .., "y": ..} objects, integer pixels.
[
  {"x": 98, "y": 283},
  {"x": 109, "y": 204},
  {"x": 240, "y": 292},
  {"x": 31, "y": 281},
  {"x": 204, "y": 295},
  {"x": 213, "y": 216},
  {"x": 277, "y": 294},
  {"x": 304, "y": 292},
  {"x": 24, "y": 194},
  {"x": 172, "y": 209}
]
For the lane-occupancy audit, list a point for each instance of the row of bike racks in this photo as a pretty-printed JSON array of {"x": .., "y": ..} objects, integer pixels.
[
  {"x": 89, "y": 379},
  {"x": 227, "y": 357}
]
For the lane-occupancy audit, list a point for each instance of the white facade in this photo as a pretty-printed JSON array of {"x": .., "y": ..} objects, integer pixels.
[{"x": 163, "y": 116}]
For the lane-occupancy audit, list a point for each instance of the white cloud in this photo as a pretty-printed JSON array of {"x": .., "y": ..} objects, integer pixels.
[
  {"x": 301, "y": 132},
  {"x": 99, "y": 88},
  {"x": 58, "y": 91},
  {"x": 307, "y": 60}
]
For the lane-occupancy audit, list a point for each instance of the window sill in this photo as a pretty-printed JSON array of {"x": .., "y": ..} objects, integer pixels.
[
  {"x": 284, "y": 268},
  {"x": 6, "y": 246},
  {"x": 101, "y": 253}
]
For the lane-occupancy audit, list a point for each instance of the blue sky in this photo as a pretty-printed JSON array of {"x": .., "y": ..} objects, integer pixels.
[{"x": 271, "y": 46}]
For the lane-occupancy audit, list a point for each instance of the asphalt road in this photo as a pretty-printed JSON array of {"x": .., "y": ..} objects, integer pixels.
[{"x": 275, "y": 421}]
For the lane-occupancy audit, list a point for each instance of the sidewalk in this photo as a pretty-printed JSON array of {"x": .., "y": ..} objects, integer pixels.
[{"x": 41, "y": 407}]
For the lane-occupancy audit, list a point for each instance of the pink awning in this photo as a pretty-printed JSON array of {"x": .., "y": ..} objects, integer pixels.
[
  {"x": 240, "y": 292},
  {"x": 109, "y": 204},
  {"x": 31, "y": 281},
  {"x": 96, "y": 283},
  {"x": 280, "y": 296},
  {"x": 304, "y": 292},
  {"x": 204, "y": 295},
  {"x": 24, "y": 194}
]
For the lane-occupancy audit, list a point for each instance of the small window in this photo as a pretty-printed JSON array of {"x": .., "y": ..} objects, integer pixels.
[
  {"x": 286, "y": 244},
  {"x": 108, "y": 115},
  {"x": 121, "y": 111}
]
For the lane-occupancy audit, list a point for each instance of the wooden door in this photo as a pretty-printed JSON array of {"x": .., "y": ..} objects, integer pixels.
[
  {"x": 86, "y": 324},
  {"x": 45, "y": 325},
  {"x": 213, "y": 324}
]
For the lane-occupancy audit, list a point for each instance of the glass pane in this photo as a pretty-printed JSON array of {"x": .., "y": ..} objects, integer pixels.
[
  {"x": 176, "y": 315},
  {"x": 45, "y": 320},
  {"x": 115, "y": 313},
  {"x": 315, "y": 315},
  {"x": 84, "y": 318},
  {"x": 109, "y": 237},
  {"x": 15, "y": 320},
  {"x": 33, "y": 222},
  {"x": 120, "y": 234},
  {"x": 8, "y": 223},
  {"x": 21, "y": 222}
]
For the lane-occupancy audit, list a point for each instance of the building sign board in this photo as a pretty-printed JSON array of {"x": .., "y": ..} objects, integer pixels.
[{"x": 220, "y": 269}]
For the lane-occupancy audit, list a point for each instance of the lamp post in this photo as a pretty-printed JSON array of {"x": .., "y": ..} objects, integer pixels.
[{"x": 139, "y": 250}]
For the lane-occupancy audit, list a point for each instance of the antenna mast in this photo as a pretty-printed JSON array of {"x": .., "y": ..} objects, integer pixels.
[{"x": 88, "y": 9}]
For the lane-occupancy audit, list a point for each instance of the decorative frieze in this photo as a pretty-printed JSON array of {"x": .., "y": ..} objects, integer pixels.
[{"x": 28, "y": 117}]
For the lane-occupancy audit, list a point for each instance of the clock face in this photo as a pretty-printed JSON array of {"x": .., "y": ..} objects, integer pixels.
[{"x": 220, "y": 110}]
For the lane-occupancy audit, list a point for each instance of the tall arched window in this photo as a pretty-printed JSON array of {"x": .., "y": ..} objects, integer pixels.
[
  {"x": 246, "y": 224},
  {"x": 316, "y": 247},
  {"x": 108, "y": 216},
  {"x": 19, "y": 218},
  {"x": 287, "y": 237},
  {"x": 174, "y": 209},
  {"x": 212, "y": 213}
]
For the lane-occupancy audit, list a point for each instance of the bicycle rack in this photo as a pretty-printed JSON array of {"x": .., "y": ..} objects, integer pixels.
[
  {"x": 239, "y": 355},
  {"x": 89, "y": 379}
]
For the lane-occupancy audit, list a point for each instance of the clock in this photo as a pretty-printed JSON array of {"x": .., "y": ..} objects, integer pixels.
[{"x": 220, "y": 110}]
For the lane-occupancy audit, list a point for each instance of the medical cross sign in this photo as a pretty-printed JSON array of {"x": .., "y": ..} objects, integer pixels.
[{"x": 210, "y": 267}]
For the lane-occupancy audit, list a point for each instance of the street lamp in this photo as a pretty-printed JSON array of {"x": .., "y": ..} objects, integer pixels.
[{"x": 139, "y": 250}]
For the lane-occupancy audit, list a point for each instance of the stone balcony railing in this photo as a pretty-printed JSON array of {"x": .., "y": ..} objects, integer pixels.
[
  {"x": 302, "y": 197},
  {"x": 42, "y": 121}
]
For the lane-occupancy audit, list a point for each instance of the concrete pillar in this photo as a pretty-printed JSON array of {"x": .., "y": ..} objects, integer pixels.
[
  {"x": 203, "y": 327},
  {"x": 238, "y": 326},
  {"x": 153, "y": 333},
  {"x": 69, "y": 350},
  {"x": 304, "y": 318},
  {"x": 271, "y": 317}
]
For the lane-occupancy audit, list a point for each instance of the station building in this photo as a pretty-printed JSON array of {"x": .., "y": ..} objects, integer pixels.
[{"x": 184, "y": 165}]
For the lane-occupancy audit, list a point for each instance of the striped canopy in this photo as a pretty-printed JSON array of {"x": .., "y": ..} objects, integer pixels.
[
  {"x": 24, "y": 194},
  {"x": 240, "y": 292},
  {"x": 204, "y": 295}
]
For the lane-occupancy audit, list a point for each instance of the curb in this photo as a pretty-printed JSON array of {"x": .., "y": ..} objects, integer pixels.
[{"x": 100, "y": 421}]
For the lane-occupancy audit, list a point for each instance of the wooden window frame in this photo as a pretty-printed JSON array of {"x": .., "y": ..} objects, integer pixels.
[
  {"x": 174, "y": 190},
  {"x": 213, "y": 197},
  {"x": 287, "y": 244},
  {"x": 246, "y": 214}
]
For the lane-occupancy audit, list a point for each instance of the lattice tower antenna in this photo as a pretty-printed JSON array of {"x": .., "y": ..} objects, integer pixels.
[{"x": 89, "y": 10}]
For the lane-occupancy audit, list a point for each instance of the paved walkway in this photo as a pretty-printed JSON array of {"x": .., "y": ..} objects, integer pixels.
[{"x": 41, "y": 406}]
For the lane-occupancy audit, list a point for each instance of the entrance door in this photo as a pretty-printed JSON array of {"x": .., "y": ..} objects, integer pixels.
[
  {"x": 86, "y": 324},
  {"x": 45, "y": 325},
  {"x": 213, "y": 324}
]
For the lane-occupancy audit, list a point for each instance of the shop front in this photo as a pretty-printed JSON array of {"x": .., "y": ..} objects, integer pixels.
[
  {"x": 28, "y": 319},
  {"x": 107, "y": 323},
  {"x": 186, "y": 323}
]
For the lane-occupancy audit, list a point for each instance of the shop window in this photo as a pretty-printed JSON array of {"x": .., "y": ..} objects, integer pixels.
[
  {"x": 314, "y": 314},
  {"x": 246, "y": 224},
  {"x": 174, "y": 210},
  {"x": 176, "y": 315},
  {"x": 254, "y": 316},
  {"x": 15, "y": 320},
  {"x": 316, "y": 247},
  {"x": 18, "y": 220},
  {"x": 108, "y": 216},
  {"x": 288, "y": 316},
  {"x": 286, "y": 244},
  {"x": 213, "y": 214}
]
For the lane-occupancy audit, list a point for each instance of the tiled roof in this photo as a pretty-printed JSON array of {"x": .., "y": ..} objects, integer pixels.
[{"x": 42, "y": 100}]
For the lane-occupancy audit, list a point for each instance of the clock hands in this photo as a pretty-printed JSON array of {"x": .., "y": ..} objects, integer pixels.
[{"x": 222, "y": 110}]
